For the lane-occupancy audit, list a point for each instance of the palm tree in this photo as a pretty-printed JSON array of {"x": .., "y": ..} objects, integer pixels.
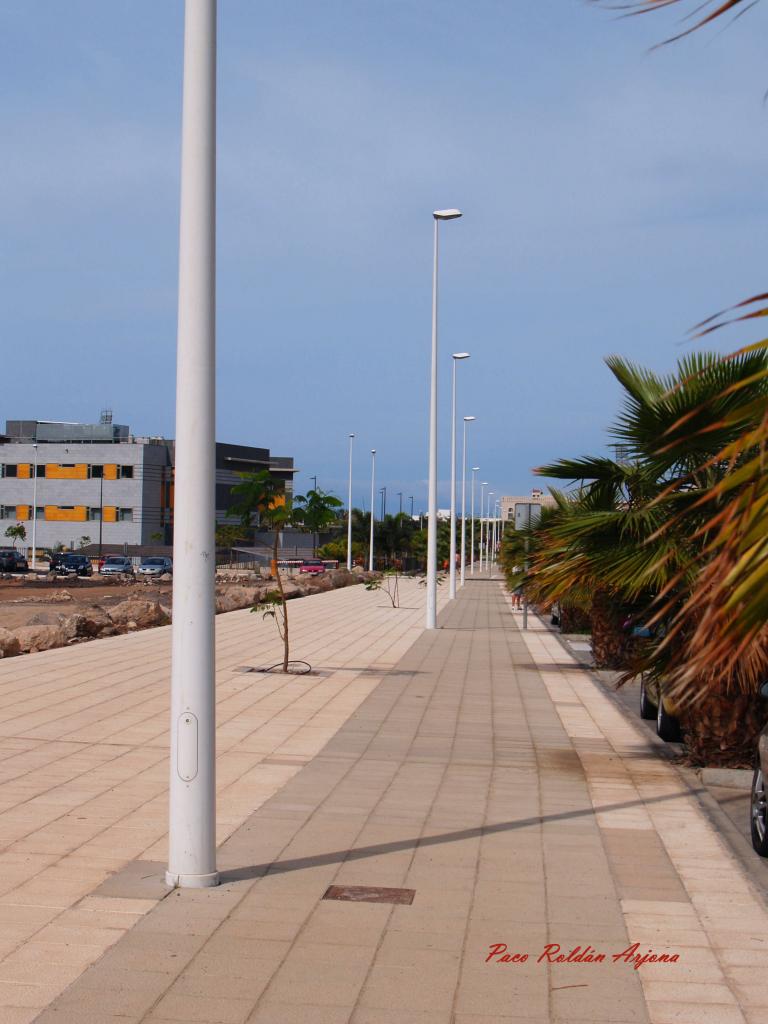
[
  {"x": 635, "y": 536},
  {"x": 705, "y": 11},
  {"x": 318, "y": 510}
]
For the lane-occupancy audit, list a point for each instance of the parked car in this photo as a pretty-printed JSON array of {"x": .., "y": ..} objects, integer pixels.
[
  {"x": 74, "y": 565},
  {"x": 653, "y": 704},
  {"x": 12, "y": 561},
  {"x": 55, "y": 559},
  {"x": 312, "y": 565},
  {"x": 117, "y": 565},
  {"x": 157, "y": 565},
  {"x": 758, "y": 817}
]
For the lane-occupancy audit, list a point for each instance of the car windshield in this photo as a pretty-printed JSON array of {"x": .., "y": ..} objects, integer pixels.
[
  {"x": 312, "y": 561},
  {"x": 115, "y": 561},
  {"x": 74, "y": 559},
  {"x": 153, "y": 561}
]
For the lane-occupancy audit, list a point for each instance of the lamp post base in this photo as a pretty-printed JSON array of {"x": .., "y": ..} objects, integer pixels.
[{"x": 192, "y": 881}]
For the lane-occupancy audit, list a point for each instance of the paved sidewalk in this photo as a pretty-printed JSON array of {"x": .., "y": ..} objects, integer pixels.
[
  {"x": 84, "y": 766},
  {"x": 490, "y": 775}
]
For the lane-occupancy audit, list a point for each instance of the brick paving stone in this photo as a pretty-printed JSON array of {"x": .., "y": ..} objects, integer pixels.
[{"x": 478, "y": 765}]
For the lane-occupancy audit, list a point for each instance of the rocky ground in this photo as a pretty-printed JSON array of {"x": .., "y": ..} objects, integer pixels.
[{"x": 38, "y": 614}]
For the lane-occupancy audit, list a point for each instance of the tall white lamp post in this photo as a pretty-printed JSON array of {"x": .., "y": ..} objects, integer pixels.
[
  {"x": 349, "y": 508},
  {"x": 192, "y": 840},
  {"x": 475, "y": 470},
  {"x": 467, "y": 419},
  {"x": 373, "y": 498},
  {"x": 483, "y": 485},
  {"x": 34, "y": 511},
  {"x": 452, "y": 564},
  {"x": 432, "y": 504},
  {"x": 488, "y": 549}
]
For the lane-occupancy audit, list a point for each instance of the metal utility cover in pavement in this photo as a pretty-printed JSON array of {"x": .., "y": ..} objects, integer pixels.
[{"x": 369, "y": 894}]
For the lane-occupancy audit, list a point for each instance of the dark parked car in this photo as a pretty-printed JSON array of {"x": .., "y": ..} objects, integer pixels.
[
  {"x": 157, "y": 565},
  {"x": 759, "y": 807},
  {"x": 74, "y": 565},
  {"x": 55, "y": 560},
  {"x": 12, "y": 561}
]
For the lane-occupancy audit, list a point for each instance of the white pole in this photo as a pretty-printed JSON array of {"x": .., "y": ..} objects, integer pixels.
[
  {"x": 432, "y": 489},
  {"x": 349, "y": 508},
  {"x": 34, "y": 513},
  {"x": 467, "y": 419},
  {"x": 488, "y": 549},
  {"x": 472, "y": 533},
  {"x": 373, "y": 499},
  {"x": 482, "y": 507},
  {"x": 452, "y": 556},
  {"x": 192, "y": 840},
  {"x": 432, "y": 486}
]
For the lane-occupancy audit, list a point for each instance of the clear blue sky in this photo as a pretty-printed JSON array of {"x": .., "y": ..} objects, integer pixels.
[{"x": 613, "y": 197}]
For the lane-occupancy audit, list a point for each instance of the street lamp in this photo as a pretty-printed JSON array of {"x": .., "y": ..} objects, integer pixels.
[
  {"x": 349, "y": 508},
  {"x": 483, "y": 485},
  {"x": 488, "y": 551},
  {"x": 192, "y": 817},
  {"x": 101, "y": 510},
  {"x": 411, "y": 501},
  {"x": 452, "y": 557},
  {"x": 475, "y": 469},
  {"x": 438, "y": 215},
  {"x": 373, "y": 498},
  {"x": 34, "y": 511},
  {"x": 400, "y": 496},
  {"x": 383, "y": 493},
  {"x": 467, "y": 419}
]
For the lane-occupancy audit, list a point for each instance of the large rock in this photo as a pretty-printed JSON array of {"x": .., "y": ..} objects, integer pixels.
[
  {"x": 317, "y": 584},
  {"x": 88, "y": 622},
  {"x": 46, "y": 619},
  {"x": 230, "y": 599},
  {"x": 40, "y": 638},
  {"x": 9, "y": 644},
  {"x": 137, "y": 614},
  {"x": 342, "y": 578}
]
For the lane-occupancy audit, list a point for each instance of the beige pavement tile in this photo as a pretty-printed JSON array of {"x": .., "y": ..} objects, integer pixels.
[
  {"x": 693, "y": 1013},
  {"x": 320, "y": 983},
  {"x": 17, "y": 1014},
  {"x": 290, "y": 1013},
  {"x": 206, "y": 1009}
]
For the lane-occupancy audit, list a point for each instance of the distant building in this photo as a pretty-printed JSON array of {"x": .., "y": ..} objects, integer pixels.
[
  {"x": 97, "y": 480},
  {"x": 515, "y": 508}
]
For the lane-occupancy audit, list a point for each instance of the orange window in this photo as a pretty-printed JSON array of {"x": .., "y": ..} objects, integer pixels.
[{"x": 78, "y": 471}]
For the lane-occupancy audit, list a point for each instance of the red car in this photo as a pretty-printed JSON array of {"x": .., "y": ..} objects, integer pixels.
[{"x": 312, "y": 565}]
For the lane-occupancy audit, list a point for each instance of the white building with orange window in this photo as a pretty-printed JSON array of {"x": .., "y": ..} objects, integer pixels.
[
  {"x": 88, "y": 480},
  {"x": 99, "y": 481}
]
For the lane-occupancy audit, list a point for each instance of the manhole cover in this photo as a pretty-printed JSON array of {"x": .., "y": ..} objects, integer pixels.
[{"x": 369, "y": 894}]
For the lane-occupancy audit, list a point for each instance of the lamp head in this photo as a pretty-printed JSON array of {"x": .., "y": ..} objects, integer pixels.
[
  {"x": 351, "y": 435},
  {"x": 469, "y": 419},
  {"x": 475, "y": 469},
  {"x": 447, "y": 214},
  {"x": 460, "y": 355}
]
